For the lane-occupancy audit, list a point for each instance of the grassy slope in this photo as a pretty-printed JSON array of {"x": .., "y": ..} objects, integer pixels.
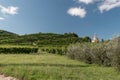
[
  {"x": 52, "y": 67},
  {"x": 40, "y": 39}
]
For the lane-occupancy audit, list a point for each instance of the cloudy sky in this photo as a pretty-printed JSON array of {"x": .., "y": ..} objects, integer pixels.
[{"x": 84, "y": 17}]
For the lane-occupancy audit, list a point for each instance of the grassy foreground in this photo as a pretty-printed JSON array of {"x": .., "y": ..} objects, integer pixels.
[{"x": 52, "y": 67}]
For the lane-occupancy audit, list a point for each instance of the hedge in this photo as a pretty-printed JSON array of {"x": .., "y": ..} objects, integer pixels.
[
  {"x": 18, "y": 50},
  {"x": 59, "y": 51}
]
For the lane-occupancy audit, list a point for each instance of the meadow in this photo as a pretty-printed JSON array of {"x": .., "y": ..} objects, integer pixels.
[
  {"x": 52, "y": 67},
  {"x": 49, "y": 56}
]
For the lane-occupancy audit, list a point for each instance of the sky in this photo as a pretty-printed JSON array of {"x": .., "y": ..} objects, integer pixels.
[{"x": 83, "y": 17}]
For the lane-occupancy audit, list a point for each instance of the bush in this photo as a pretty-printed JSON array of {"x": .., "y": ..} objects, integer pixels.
[
  {"x": 80, "y": 52},
  {"x": 54, "y": 50},
  {"x": 90, "y": 53},
  {"x": 100, "y": 54},
  {"x": 107, "y": 54},
  {"x": 18, "y": 50},
  {"x": 114, "y": 52}
]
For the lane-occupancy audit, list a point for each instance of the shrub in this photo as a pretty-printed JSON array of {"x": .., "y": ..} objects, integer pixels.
[
  {"x": 54, "y": 50},
  {"x": 80, "y": 52},
  {"x": 90, "y": 53},
  {"x": 100, "y": 54},
  {"x": 18, "y": 50},
  {"x": 107, "y": 54},
  {"x": 114, "y": 52}
]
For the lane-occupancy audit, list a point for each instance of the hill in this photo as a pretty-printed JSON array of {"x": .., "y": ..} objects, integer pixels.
[
  {"x": 41, "y": 39},
  {"x": 5, "y": 33},
  {"x": 6, "y": 37}
]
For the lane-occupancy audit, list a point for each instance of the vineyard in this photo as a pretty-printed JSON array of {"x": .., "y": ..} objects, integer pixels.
[
  {"x": 38, "y": 42},
  {"x": 18, "y": 50},
  {"x": 51, "y": 56}
]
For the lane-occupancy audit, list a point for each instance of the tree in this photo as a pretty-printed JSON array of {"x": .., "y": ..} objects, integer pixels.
[{"x": 87, "y": 39}]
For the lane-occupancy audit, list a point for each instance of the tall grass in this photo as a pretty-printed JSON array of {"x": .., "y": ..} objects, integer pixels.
[{"x": 52, "y": 67}]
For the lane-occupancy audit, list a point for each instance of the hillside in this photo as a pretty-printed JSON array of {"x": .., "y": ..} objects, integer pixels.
[
  {"x": 7, "y": 37},
  {"x": 41, "y": 39},
  {"x": 3, "y": 32}
]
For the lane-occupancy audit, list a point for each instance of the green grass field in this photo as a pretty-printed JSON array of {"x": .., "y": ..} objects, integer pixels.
[{"x": 52, "y": 67}]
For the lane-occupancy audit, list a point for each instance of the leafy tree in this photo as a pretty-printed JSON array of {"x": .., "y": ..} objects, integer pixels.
[{"x": 87, "y": 39}]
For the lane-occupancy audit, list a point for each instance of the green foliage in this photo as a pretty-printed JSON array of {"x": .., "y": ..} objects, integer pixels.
[
  {"x": 40, "y": 39},
  {"x": 107, "y": 54},
  {"x": 57, "y": 42},
  {"x": 54, "y": 50},
  {"x": 114, "y": 52},
  {"x": 90, "y": 53},
  {"x": 71, "y": 34},
  {"x": 87, "y": 39},
  {"x": 18, "y": 50}
]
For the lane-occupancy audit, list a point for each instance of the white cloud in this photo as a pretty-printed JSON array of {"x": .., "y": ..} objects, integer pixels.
[
  {"x": 11, "y": 10},
  {"x": 85, "y": 1},
  {"x": 2, "y": 18},
  {"x": 108, "y": 5},
  {"x": 77, "y": 11}
]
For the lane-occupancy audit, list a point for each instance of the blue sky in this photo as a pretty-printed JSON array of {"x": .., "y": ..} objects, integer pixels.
[{"x": 84, "y": 17}]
